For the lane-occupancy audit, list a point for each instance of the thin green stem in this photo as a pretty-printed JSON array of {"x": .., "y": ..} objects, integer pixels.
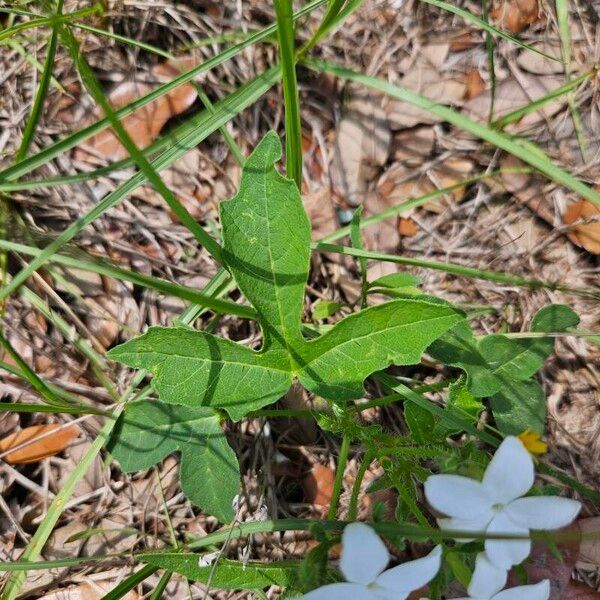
[
  {"x": 360, "y": 475},
  {"x": 293, "y": 126},
  {"x": 339, "y": 477}
]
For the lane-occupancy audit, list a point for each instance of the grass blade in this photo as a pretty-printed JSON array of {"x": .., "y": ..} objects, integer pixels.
[
  {"x": 145, "y": 281},
  {"x": 465, "y": 14},
  {"x": 521, "y": 148},
  {"x": 42, "y": 91},
  {"x": 196, "y": 130},
  {"x": 147, "y": 169},
  {"x": 32, "y": 162},
  {"x": 293, "y": 125},
  {"x": 455, "y": 269}
]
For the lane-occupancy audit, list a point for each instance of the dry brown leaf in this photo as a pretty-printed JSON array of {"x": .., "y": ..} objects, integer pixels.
[
  {"x": 362, "y": 144},
  {"x": 512, "y": 94},
  {"x": 587, "y": 233},
  {"x": 56, "y": 439},
  {"x": 429, "y": 82},
  {"x": 463, "y": 41},
  {"x": 407, "y": 227},
  {"x": 414, "y": 146},
  {"x": 540, "y": 65},
  {"x": 579, "y": 591},
  {"x": 515, "y": 15},
  {"x": 321, "y": 212},
  {"x": 475, "y": 84},
  {"x": 318, "y": 485},
  {"x": 144, "y": 124}
]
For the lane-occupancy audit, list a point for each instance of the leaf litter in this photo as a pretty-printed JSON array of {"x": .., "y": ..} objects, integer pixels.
[{"x": 463, "y": 231}]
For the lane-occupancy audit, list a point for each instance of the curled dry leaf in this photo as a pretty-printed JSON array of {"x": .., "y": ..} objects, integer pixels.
[
  {"x": 515, "y": 15},
  {"x": 144, "y": 124},
  {"x": 318, "y": 485},
  {"x": 41, "y": 441},
  {"x": 474, "y": 84},
  {"x": 586, "y": 230},
  {"x": 361, "y": 145}
]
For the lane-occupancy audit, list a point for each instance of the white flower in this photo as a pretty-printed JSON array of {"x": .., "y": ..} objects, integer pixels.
[
  {"x": 363, "y": 560},
  {"x": 488, "y": 580},
  {"x": 495, "y": 505}
]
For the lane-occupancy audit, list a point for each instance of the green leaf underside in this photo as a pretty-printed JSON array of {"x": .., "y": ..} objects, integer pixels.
[
  {"x": 519, "y": 406},
  {"x": 226, "y": 574},
  {"x": 267, "y": 248},
  {"x": 209, "y": 470},
  {"x": 266, "y": 237}
]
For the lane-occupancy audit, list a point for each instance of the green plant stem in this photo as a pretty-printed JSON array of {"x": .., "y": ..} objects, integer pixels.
[
  {"x": 293, "y": 126},
  {"x": 360, "y": 475},
  {"x": 339, "y": 477}
]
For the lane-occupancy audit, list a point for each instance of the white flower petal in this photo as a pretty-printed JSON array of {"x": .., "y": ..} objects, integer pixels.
[
  {"x": 510, "y": 473},
  {"x": 543, "y": 512},
  {"x": 457, "y": 496},
  {"x": 340, "y": 591},
  {"x": 411, "y": 575},
  {"x": 506, "y": 553},
  {"x": 364, "y": 555},
  {"x": 539, "y": 591},
  {"x": 488, "y": 579},
  {"x": 478, "y": 525}
]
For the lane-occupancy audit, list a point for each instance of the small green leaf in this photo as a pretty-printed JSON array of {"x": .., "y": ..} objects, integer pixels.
[
  {"x": 335, "y": 365},
  {"x": 266, "y": 237},
  {"x": 225, "y": 574},
  {"x": 209, "y": 471},
  {"x": 420, "y": 422},
  {"x": 496, "y": 359},
  {"x": 325, "y": 308},
  {"x": 198, "y": 369},
  {"x": 396, "y": 280},
  {"x": 520, "y": 405}
]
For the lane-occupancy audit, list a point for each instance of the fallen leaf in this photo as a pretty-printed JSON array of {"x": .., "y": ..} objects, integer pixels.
[
  {"x": 512, "y": 94},
  {"x": 475, "y": 84},
  {"x": 407, "y": 227},
  {"x": 515, "y": 15},
  {"x": 578, "y": 591},
  {"x": 430, "y": 82},
  {"x": 587, "y": 233},
  {"x": 463, "y": 41},
  {"x": 144, "y": 124},
  {"x": 318, "y": 485},
  {"x": 56, "y": 439},
  {"x": 540, "y": 65},
  {"x": 362, "y": 144},
  {"x": 321, "y": 212}
]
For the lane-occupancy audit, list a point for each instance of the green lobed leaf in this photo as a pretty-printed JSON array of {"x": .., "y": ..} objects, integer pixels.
[
  {"x": 225, "y": 574},
  {"x": 266, "y": 237},
  {"x": 209, "y": 470},
  {"x": 336, "y": 364},
  {"x": 199, "y": 369}
]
